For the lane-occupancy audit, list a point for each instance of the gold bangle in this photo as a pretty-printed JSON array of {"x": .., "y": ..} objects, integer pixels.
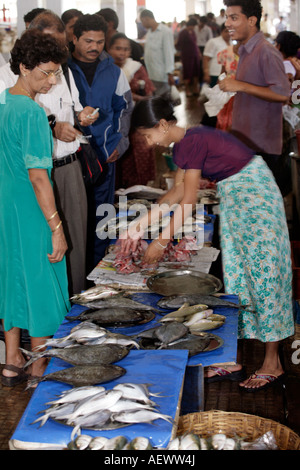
[
  {"x": 52, "y": 216},
  {"x": 162, "y": 246},
  {"x": 57, "y": 226}
]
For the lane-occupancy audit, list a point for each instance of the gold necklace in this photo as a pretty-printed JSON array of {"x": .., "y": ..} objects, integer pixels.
[{"x": 27, "y": 92}]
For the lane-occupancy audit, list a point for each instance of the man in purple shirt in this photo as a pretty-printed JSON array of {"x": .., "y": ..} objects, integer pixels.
[{"x": 261, "y": 84}]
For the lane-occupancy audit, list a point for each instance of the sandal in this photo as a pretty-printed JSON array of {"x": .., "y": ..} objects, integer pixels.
[
  {"x": 225, "y": 374},
  {"x": 15, "y": 380},
  {"x": 269, "y": 378}
]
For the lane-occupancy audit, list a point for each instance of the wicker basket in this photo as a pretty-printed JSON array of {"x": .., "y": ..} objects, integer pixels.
[{"x": 232, "y": 424}]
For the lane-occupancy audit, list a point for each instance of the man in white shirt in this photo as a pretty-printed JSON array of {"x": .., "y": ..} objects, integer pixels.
[
  {"x": 221, "y": 18},
  {"x": 203, "y": 33},
  {"x": 68, "y": 185},
  {"x": 211, "y": 67},
  {"x": 159, "y": 53}
]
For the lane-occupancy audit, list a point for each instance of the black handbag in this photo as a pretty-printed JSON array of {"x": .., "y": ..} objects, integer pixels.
[{"x": 92, "y": 170}]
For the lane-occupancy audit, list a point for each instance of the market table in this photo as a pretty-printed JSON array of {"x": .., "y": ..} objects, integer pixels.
[{"x": 178, "y": 378}]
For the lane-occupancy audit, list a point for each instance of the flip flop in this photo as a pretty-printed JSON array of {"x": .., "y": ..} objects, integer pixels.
[
  {"x": 224, "y": 374},
  {"x": 269, "y": 378},
  {"x": 15, "y": 380}
]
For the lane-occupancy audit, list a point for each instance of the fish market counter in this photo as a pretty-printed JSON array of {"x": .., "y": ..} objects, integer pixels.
[{"x": 174, "y": 379}]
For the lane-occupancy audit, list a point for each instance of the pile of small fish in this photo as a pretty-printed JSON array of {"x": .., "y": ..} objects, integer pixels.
[
  {"x": 87, "y": 333},
  {"x": 85, "y": 442},
  {"x": 196, "y": 317},
  {"x": 94, "y": 407},
  {"x": 220, "y": 441},
  {"x": 188, "y": 442},
  {"x": 133, "y": 261}
]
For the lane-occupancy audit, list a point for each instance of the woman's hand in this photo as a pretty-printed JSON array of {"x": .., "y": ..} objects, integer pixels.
[
  {"x": 153, "y": 253},
  {"x": 131, "y": 238},
  {"x": 59, "y": 246}
]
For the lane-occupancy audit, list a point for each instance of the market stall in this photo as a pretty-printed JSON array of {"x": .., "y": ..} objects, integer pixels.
[{"x": 170, "y": 373}]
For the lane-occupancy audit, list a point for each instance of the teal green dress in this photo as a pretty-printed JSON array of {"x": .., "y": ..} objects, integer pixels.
[{"x": 33, "y": 291}]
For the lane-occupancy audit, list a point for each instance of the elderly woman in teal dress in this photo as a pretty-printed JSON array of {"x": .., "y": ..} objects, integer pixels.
[{"x": 33, "y": 280}]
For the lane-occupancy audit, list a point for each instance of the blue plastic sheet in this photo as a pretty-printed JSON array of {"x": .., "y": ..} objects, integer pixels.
[
  {"x": 164, "y": 370},
  {"x": 228, "y": 332}
]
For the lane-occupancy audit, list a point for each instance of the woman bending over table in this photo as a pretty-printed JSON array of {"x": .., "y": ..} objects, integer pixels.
[{"x": 255, "y": 242}]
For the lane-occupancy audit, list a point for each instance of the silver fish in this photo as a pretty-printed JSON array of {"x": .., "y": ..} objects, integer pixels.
[
  {"x": 98, "y": 443},
  {"x": 92, "y": 421},
  {"x": 192, "y": 319},
  {"x": 128, "y": 405},
  {"x": 133, "y": 391},
  {"x": 55, "y": 412},
  {"x": 76, "y": 335},
  {"x": 189, "y": 442},
  {"x": 99, "y": 402},
  {"x": 140, "y": 443},
  {"x": 184, "y": 311},
  {"x": 140, "y": 416},
  {"x": 82, "y": 375},
  {"x": 92, "y": 354},
  {"x": 75, "y": 394},
  {"x": 115, "y": 443},
  {"x": 94, "y": 293},
  {"x": 174, "y": 444},
  {"x": 81, "y": 442}
]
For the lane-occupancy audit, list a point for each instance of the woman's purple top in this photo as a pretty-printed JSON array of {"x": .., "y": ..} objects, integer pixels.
[{"x": 216, "y": 153}]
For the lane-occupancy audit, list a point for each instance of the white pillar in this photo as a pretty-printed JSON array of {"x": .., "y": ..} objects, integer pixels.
[
  {"x": 23, "y": 8},
  {"x": 118, "y": 7}
]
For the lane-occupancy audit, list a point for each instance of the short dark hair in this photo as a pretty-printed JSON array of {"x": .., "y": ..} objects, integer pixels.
[
  {"x": 70, "y": 14},
  {"x": 289, "y": 43},
  {"x": 32, "y": 14},
  {"x": 48, "y": 20},
  {"x": 35, "y": 47},
  {"x": 89, "y": 23},
  {"x": 109, "y": 15},
  {"x": 192, "y": 22},
  {"x": 147, "y": 113},
  {"x": 249, "y": 8},
  {"x": 116, "y": 37},
  {"x": 146, "y": 13}
]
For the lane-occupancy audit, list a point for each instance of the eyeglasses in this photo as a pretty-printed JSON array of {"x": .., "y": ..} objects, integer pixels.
[{"x": 51, "y": 74}]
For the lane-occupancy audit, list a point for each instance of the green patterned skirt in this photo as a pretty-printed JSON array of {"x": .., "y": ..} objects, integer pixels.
[{"x": 256, "y": 252}]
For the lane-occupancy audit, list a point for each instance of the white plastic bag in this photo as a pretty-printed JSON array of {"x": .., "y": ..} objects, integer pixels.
[
  {"x": 216, "y": 98},
  {"x": 175, "y": 96}
]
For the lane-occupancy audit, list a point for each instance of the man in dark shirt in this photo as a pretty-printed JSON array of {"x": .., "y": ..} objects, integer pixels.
[{"x": 101, "y": 82}]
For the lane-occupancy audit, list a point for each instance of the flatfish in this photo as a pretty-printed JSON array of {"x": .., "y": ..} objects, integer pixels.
[
  {"x": 79, "y": 376},
  {"x": 109, "y": 315},
  {"x": 84, "y": 354}
]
